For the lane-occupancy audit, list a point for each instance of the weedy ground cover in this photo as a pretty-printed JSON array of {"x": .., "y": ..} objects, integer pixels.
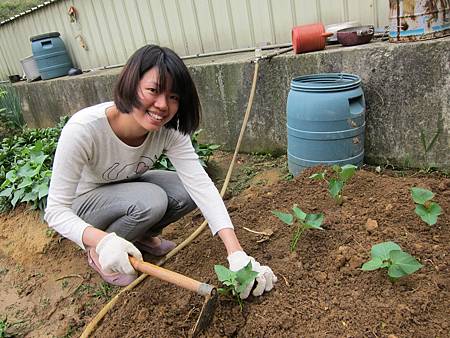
[
  {"x": 426, "y": 209},
  {"x": 389, "y": 255},
  {"x": 337, "y": 180},
  {"x": 304, "y": 221}
]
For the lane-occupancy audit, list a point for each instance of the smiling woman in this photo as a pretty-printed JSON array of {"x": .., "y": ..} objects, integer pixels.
[
  {"x": 156, "y": 107},
  {"x": 103, "y": 195}
]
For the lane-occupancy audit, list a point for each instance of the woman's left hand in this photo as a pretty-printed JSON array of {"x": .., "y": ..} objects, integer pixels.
[{"x": 264, "y": 280}]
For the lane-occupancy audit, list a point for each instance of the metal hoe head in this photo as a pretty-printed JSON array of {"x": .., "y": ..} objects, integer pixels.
[{"x": 206, "y": 314}]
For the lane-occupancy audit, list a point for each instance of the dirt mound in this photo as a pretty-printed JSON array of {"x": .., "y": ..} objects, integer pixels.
[{"x": 22, "y": 235}]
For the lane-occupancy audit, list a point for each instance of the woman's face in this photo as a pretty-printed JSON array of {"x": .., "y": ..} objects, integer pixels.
[{"x": 158, "y": 107}]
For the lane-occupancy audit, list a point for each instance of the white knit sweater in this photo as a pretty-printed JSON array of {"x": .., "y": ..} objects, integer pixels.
[{"x": 89, "y": 154}]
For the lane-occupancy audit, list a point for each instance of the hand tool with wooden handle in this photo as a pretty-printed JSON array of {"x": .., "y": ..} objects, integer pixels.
[{"x": 203, "y": 289}]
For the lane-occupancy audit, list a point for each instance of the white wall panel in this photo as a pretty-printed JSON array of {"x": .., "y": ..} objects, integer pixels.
[
  {"x": 107, "y": 32},
  {"x": 306, "y": 11},
  {"x": 240, "y": 17}
]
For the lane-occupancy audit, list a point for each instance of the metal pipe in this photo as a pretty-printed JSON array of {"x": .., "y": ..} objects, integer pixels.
[
  {"x": 271, "y": 55},
  {"x": 239, "y": 50},
  {"x": 398, "y": 20},
  {"x": 222, "y": 52}
]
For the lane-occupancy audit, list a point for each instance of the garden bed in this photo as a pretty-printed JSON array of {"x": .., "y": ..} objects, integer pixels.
[{"x": 321, "y": 291}]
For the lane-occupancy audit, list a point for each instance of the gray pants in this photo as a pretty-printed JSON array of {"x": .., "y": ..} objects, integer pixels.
[{"x": 136, "y": 209}]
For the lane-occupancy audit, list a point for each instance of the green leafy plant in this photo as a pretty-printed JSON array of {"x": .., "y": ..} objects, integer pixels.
[
  {"x": 304, "y": 221},
  {"x": 204, "y": 152},
  {"x": 25, "y": 166},
  {"x": 389, "y": 255},
  {"x": 28, "y": 181},
  {"x": 235, "y": 282},
  {"x": 337, "y": 182},
  {"x": 11, "y": 116},
  {"x": 4, "y": 326},
  {"x": 426, "y": 209},
  {"x": 104, "y": 291}
]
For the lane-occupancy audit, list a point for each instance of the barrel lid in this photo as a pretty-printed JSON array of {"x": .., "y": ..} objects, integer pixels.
[
  {"x": 44, "y": 36},
  {"x": 325, "y": 82}
]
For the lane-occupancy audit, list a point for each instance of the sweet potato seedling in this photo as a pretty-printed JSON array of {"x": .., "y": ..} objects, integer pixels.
[
  {"x": 338, "y": 180},
  {"x": 426, "y": 209},
  {"x": 235, "y": 282},
  {"x": 389, "y": 255},
  {"x": 304, "y": 220}
]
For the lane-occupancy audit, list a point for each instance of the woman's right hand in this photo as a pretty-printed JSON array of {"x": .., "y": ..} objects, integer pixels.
[{"x": 113, "y": 254}]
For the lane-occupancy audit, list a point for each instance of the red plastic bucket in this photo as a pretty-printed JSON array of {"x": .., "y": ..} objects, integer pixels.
[{"x": 309, "y": 38}]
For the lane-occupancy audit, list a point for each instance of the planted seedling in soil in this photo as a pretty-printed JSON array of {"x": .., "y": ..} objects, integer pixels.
[
  {"x": 304, "y": 221},
  {"x": 235, "y": 282},
  {"x": 426, "y": 209},
  {"x": 337, "y": 182},
  {"x": 389, "y": 255}
]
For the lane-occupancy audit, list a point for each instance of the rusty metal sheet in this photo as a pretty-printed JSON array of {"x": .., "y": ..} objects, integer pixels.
[{"x": 414, "y": 20}]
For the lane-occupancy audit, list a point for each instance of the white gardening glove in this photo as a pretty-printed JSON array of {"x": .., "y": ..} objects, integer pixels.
[
  {"x": 264, "y": 280},
  {"x": 113, "y": 254}
]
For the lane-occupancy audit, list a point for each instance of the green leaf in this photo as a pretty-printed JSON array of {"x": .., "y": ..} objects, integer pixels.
[
  {"x": 373, "y": 264},
  {"x": 382, "y": 250},
  {"x": 18, "y": 194},
  {"x": 25, "y": 183},
  {"x": 26, "y": 171},
  {"x": 314, "y": 221},
  {"x": 420, "y": 195},
  {"x": 337, "y": 169},
  {"x": 6, "y": 193},
  {"x": 429, "y": 215},
  {"x": 347, "y": 171},
  {"x": 37, "y": 156},
  {"x": 284, "y": 217},
  {"x": 30, "y": 196},
  {"x": 299, "y": 213},
  {"x": 224, "y": 274},
  {"x": 42, "y": 190},
  {"x": 245, "y": 276},
  {"x": 402, "y": 264},
  {"x": 318, "y": 176},
  {"x": 38, "y": 146},
  {"x": 11, "y": 176},
  {"x": 335, "y": 187}
]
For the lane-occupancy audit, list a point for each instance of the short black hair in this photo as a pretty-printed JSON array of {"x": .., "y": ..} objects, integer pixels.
[{"x": 187, "y": 118}]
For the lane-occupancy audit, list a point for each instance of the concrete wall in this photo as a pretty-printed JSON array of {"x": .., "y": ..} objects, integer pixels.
[{"x": 406, "y": 87}]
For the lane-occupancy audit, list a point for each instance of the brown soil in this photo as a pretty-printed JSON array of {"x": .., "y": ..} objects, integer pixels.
[{"x": 321, "y": 292}]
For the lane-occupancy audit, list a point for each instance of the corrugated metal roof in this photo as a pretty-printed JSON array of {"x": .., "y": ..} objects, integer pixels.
[{"x": 31, "y": 10}]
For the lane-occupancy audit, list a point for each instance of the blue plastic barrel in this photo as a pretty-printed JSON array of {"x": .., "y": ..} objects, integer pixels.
[
  {"x": 325, "y": 121},
  {"x": 50, "y": 54}
]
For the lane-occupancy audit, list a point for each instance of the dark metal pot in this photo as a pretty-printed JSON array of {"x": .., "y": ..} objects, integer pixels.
[
  {"x": 14, "y": 78},
  {"x": 355, "y": 35}
]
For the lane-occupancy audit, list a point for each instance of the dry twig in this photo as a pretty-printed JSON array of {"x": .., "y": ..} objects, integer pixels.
[
  {"x": 285, "y": 280},
  {"x": 264, "y": 233},
  {"x": 69, "y": 276}
]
